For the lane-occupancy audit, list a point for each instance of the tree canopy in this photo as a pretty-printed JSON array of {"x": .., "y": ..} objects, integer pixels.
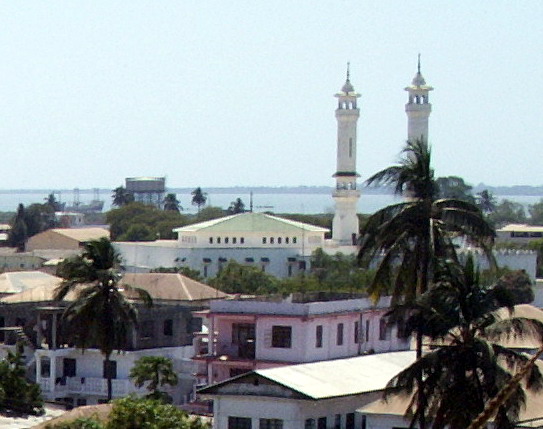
[
  {"x": 199, "y": 198},
  {"x": 154, "y": 372}
]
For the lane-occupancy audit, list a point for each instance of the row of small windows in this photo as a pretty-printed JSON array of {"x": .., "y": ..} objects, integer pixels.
[
  {"x": 235, "y": 422},
  {"x": 226, "y": 240},
  {"x": 279, "y": 240},
  {"x": 339, "y": 334}
]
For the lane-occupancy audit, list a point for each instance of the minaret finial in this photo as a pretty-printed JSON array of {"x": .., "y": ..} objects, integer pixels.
[
  {"x": 418, "y": 66},
  {"x": 348, "y": 71}
]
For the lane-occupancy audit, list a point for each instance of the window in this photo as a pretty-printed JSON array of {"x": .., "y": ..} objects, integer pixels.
[
  {"x": 350, "y": 148},
  {"x": 337, "y": 422},
  {"x": 356, "y": 333},
  {"x": 401, "y": 329},
  {"x": 234, "y": 240},
  {"x": 218, "y": 240},
  {"x": 321, "y": 423},
  {"x": 210, "y": 240},
  {"x": 367, "y": 330},
  {"x": 293, "y": 240},
  {"x": 45, "y": 367},
  {"x": 226, "y": 240},
  {"x": 282, "y": 337},
  {"x": 349, "y": 421},
  {"x": 318, "y": 337},
  {"x": 309, "y": 424},
  {"x": 271, "y": 424},
  {"x": 279, "y": 240},
  {"x": 272, "y": 240},
  {"x": 110, "y": 368},
  {"x": 383, "y": 329},
  {"x": 289, "y": 270},
  {"x": 205, "y": 270},
  {"x": 287, "y": 240},
  {"x": 242, "y": 240},
  {"x": 20, "y": 321},
  {"x": 339, "y": 338},
  {"x": 242, "y": 333},
  {"x": 167, "y": 328},
  {"x": 81, "y": 402},
  {"x": 69, "y": 368},
  {"x": 239, "y": 422},
  {"x": 264, "y": 240}
]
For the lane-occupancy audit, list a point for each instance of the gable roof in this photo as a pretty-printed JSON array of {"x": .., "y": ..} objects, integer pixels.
[
  {"x": 20, "y": 281},
  {"x": 251, "y": 222},
  {"x": 82, "y": 234},
  {"x": 327, "y": 379}
]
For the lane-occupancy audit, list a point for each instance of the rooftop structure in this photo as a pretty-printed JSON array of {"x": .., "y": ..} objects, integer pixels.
[{"x": 147, "y": 190}]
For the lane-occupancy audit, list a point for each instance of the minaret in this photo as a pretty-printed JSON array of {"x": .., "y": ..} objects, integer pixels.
[
  {"x": 345, "y": 227},
  {"x": 418, "y": 108}
]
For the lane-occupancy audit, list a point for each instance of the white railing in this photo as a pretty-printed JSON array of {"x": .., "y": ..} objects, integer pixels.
[{"x": 87, "y": 385}]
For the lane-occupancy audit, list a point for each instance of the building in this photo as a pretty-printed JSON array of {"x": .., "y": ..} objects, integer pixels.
[
  {"x": 65, "y": 238},
  {"x": 345, "y": 227},
  {"x": 418, "y": 108},
  {"x": 278, "y": 246},
  {"x": 515, "y": 233},
  {"x": 66, "y": 373},
  {"x": 250, "y": 334},
  {"x": 315, "y": 395},
  {"x": 147, "y": 190}
]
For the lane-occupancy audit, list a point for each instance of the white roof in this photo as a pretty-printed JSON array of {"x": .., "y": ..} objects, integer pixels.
[
  {"x": 341, "y": 377},
  {"x": 251, "y": 222},
  {"x": 519, "y": 227}
]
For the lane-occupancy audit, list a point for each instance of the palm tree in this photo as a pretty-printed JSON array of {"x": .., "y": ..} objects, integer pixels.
[
  {"x": 121, "y": 197},
  {"x": 171, "y": 203},
  {"x": 158, "y": 371},
  {"x": 409, "y": 237},
  {"x": 461, "y": 318},
  {"x": 237, "y": 206},
  {"x": 100, "y": 316},
  {"x": 486, "y": 201},
  {"x": 199, "y": 198}
]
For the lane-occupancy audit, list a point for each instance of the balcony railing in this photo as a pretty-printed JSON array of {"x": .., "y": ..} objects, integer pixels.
[{"x": 87, "y": 385}]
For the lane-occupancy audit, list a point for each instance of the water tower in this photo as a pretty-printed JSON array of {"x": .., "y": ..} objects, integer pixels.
[{"x": 147, "y": 190}]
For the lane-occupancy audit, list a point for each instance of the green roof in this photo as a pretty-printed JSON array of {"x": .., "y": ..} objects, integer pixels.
[{"x": 251, "y": 222}]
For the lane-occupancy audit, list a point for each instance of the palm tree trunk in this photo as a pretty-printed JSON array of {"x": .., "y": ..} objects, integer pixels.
[{"x": 109, "y": 382}]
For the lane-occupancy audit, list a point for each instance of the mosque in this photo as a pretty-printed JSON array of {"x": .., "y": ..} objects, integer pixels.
[{"x": 280, "y": 246}]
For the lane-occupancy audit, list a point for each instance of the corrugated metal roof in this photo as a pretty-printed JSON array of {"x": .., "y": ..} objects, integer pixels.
[
  {"x": 82, "y": 234},
  {"x": 19, "y": 281},
  {"x": 341, "y": 377},
  {"x": 251, "y": 222}
]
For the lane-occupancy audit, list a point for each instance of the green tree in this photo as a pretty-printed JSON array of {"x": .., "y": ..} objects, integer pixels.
[
  {"x": 100, "y": 316},
  {"x": 199, "y": 198},
  {"x": 486, "y": 201},
  {"x": 454, "y": 187},
  {"x": 209, "y": 213},
  {"x": 237, "y": 278},
  {"x": 52, "y": 202},
  {"x": 121, "y": 197},
  {"x": 237, "y": 206},
  {"x": 536, "y": 213},
  {"x": 172, "y": 204},
  {"x": 156, "y": 371},
  {"x": 132, "y": 413},
  {"x": 18, "y": 233},
  {"x": 461, "y": 317},
  {"x": 16, "y": 393},
  {"x": 138, "y": 232},
  {"x": 507, "y": 211}
]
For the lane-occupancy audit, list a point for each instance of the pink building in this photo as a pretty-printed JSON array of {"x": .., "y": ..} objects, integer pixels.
[{"x": 244, "y": 335}]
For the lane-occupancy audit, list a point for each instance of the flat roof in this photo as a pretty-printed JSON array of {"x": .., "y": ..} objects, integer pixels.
[{"x": 520, "y": 227}]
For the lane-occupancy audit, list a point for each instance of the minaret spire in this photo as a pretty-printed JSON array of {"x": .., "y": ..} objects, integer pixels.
[
  {"x": 345, "y": 227},
  {"x": 418, "y": 107},
  {"x": 418, "y": 65}
]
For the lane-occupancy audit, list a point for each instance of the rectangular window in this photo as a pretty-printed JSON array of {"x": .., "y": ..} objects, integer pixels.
[
  {"x": 339, "y": 338},
  {"x": 110, "y": 368},
  {"x": 289, "y": 270},
  {"x": 242, "y": 240},
  {"x": 234, "y": 240},
  {"x": 356, "y": 332},
  {"x": 318, "y": 337},
  {"x": 272, "y": 240},
  {"x": 271, "y": 424},
  {"x": 287, "y": 240},
  {"x": 45, "y": 367},
  {"x": 337, "y": 422},
  {"x": 401, "y": 329},
  {"x": 226, "y": 240},
  {"x": 383, "y": 329},
  {"x": 205, "y": 271},
  {"x": 309, "y": 424},
  {"x": 239, "y": 422},
  {"x": 147, "y": 329},
  {"x": 282, "y": 337},
  {"x": 367, "y": 330},
  {"x": 349, "y": 421},
  {"x": 210, "y": 240},
  {"x": 167, "y": 329},
  {"x": 294, "y": 240},
  {"x": 279, "y": 240},
  {"x": 69, "y": 367},
  {"x": 264, "y": 239},
  {"x": 321, "y": 423},
  {"x": 218, "y": 240}
]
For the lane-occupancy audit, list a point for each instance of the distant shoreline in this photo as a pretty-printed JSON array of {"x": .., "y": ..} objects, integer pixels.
[{"x": 498, "y": 190}]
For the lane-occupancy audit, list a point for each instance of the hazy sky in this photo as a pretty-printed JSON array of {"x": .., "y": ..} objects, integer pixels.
[{"x": 220, "y": 93}]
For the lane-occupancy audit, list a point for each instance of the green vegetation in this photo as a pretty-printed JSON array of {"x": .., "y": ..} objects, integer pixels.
[
  {"x": 454, "y": 187},
  {"x": 121, "y": 197},
  {"x": 172, "y": 204},
  {"x": 199, "y": 198},
  {"x": 140, "y": 222},
  {"x": 30, "y": 221},
  {"x": 237, "y": 278},
  {"x": 100, "y": 316},
  {"x": 154, "y": 371},
  {"x": 237, "y": 206},
  {"x": 459, "y": 314},
  {"x": 16, "y": 393},
  {"x": 134, "y": 413}
]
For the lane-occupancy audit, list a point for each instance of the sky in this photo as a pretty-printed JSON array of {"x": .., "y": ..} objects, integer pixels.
[{"x": 226, "y": 93}]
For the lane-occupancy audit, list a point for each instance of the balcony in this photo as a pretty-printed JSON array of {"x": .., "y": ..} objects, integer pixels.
[{"x": 87, "y": 386}]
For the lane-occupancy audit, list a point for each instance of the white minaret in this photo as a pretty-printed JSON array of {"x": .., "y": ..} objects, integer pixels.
[
  {"x": 418, "y": 108},
  {"x": 345, "y": 228}
]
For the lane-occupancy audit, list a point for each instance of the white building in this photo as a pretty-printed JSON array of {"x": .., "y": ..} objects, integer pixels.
[
  {"x": 516, "y": 233},
  {"x": 317, "y": 395},
  {"x": 278, "y": 246},
  {"x": 418, "y": 108}
]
